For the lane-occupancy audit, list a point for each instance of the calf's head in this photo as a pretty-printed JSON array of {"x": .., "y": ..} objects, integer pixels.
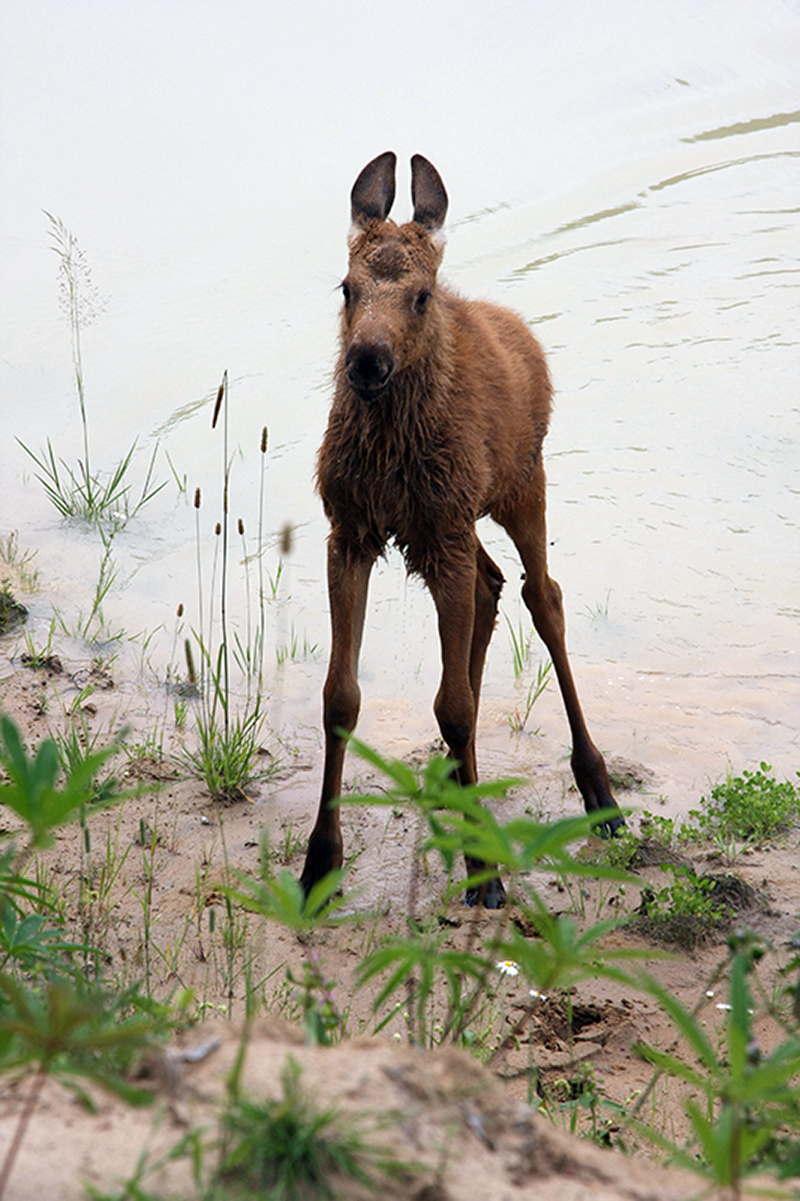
[{"x": 390, "y": 305}]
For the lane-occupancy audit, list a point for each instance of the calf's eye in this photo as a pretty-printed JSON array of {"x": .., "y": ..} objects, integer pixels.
[{"x": 421, "y": 302}]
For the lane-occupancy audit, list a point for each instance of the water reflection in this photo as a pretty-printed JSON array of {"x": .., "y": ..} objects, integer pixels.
[{"x": 210, "y": 191}]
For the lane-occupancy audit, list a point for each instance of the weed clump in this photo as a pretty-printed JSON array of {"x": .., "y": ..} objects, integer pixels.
[
  {"x": 751, "y": 808},
  {"x": 55, "y": 1015},
  {"x": 289, "y": 1150},
  {"x": 228, "y": 755},
  {"x": 12, "y": 611},
  {"x": 99, "y": 499},
  {"x": 686, "y": 912}
]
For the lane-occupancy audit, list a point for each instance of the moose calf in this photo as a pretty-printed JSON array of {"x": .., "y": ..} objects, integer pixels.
[{"x": 440, "y": 409}]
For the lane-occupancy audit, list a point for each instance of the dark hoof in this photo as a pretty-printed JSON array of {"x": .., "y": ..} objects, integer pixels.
[
  {"x": 491, "y": 895},
  {"x": 324, "y": 855},
  {"x": 612, "y": 828}
]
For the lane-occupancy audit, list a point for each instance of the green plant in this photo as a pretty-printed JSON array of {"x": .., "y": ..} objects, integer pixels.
[
  {"x": 442, "y": 989},
  {"x": 228, "y": 755},
  {"x": 52, "y": 1014},
  {"x": 684, "y": 912},
  {"x": 294, "y": 649},
  {"x": 82, "y": 493},
  {"x": 12, "y": 612},
  {"x": 659, "y": 828},
  {"x": 76, "y": 743},
  {"x": 227, "y": 758},
  {"x": 281, "y": 899},
  {"x": 42, "y": 658},
  {"x": 98, "y": 882},
  {"x": 291, "y": 843},
  {"x": 416, "y": 968},
  {"x": 234, "y": 931},
  {"x": 315, "y": 1004},
  {"x": 31, "y": 790},
  {"x": 517, "y": 720},
  {"x": 147, "y": 750},
  {"x": 622, "y": 850},
  {"x": 74, "y": 1031},
  {"x": 21, "y": 561},
  {"x": 599, "y": 610},
  {"x": 561, "y": 955},
  {"x": 520, "y": 646},
  {"x": 33, "y": 793},
  {"x": 584, "y": 1094},
  {"x": 104, "y": 501},
  {"x": 631, "y": 849},
  {"x": 190, "y": 1147},
  {"x": 262, "y": 628},
  {"x": 29, "y": 944},
  {"x": 750, "y": 808},
  {"x": 274, "y": 582},
  {"x": 180, "y": 713},
  {"x": 742, "y": 1097},
  {"x": 289, "y": 1150}
]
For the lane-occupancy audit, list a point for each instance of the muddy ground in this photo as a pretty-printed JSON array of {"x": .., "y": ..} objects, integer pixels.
[{"x": 467, "y": 1121}]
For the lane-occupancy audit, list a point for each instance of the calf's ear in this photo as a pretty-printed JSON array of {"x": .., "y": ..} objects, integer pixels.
[
  {"x": 373, "y": 192},
  {"x": 428, "y": 195}
]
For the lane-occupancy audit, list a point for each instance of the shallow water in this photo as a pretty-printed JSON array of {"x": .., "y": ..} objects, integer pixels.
[{"x": 624, "y": 174}]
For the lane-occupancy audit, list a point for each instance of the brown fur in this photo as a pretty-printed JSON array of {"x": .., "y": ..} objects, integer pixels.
[{"x": 440, "y": 408}]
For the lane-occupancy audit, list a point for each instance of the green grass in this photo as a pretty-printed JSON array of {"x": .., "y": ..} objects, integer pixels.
[
  {"x": 520, "y": 645},
  {"x": 290, "y": 1150},
  {"x": 519, "y": 718},
  {"x": 102, "y": 499},
  {"x": 227, "y": 751},
  {"x": 21, "y": 561}
]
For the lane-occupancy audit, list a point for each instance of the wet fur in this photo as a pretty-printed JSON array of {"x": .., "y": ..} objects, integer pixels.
[
  {"x": 456, "y": 435},
  {"x": 440, "y": 409}
]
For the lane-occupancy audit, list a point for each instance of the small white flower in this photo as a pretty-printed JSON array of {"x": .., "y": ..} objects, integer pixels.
[
  {"x": 507, "y": 967},
  {"x": 710, "y": 993},
  {"x": 722, "y": 1005},
  {"x": 538, "y": 996}
]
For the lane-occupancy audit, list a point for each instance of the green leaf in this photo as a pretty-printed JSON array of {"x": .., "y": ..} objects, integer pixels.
[{"x": 686, "y": 1023}]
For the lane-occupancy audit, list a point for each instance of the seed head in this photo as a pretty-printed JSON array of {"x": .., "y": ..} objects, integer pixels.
[
  {"x": 220, "y": 393},
  {"x": 286, "y": 538},
  {"x": 190, "y": 671}
]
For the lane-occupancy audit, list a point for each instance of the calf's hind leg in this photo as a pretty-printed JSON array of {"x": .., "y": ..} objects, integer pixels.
[
  {"x": 488, "y": 586},
  {"x": 525, "y": 523},
  {"x": 467, "y": 606}
]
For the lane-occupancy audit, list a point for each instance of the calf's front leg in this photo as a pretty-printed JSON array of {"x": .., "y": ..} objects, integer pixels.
[{"x": 348, "y": 580}]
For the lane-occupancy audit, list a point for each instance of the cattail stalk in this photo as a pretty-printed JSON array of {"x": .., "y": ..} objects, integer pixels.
[
  {"x": 222, "y": 399},
  {"x": 248, "y": 656},
  {"x": 262, "y": 610}
]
